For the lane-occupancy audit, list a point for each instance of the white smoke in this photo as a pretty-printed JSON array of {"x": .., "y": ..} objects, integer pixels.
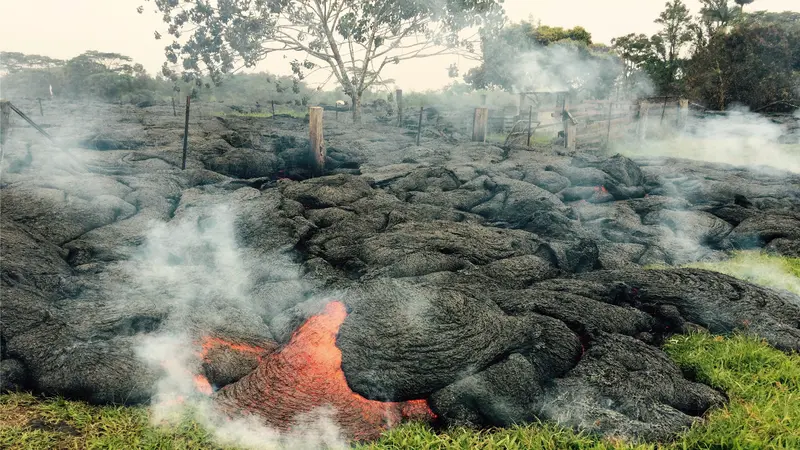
[
  {"x": 192, "y": 268},
  {"x": 739, "y": 137},
  {"x": 194, "y": 264},
  {"x": 566, "y": 66}
]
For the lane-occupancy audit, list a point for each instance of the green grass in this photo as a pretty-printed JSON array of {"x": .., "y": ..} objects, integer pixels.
[
  {"x": 28, "y": 422},
  {"x": 763, "y": 385},
  {"x": 264, "y": 114},
  {"x": 500, "y": 138},
  {"x": 760, "y": 268},
  {"x": 764, "y": 412}
]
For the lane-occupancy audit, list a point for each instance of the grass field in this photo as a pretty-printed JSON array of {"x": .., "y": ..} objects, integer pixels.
[
  {"x": 267, "y": 112},
  {"x": 763, "y": 385}
]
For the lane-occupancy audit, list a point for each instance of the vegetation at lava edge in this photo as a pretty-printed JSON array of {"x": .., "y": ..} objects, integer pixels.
[{"x": 763, "y": 385}]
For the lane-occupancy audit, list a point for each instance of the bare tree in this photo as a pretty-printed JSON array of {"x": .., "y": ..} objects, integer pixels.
[{"x": 354, "y": 40}]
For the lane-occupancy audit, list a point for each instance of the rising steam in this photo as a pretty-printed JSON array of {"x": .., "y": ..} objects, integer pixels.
[
  {"x": 740, "y": 137},
  {"x": 194, "y": 264}
]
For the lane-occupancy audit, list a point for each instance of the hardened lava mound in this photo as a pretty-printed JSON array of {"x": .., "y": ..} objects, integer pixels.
[{"x": 453, "y": 284}]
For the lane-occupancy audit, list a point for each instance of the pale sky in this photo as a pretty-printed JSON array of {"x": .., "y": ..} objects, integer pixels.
[{"x": 66, "y": 28}]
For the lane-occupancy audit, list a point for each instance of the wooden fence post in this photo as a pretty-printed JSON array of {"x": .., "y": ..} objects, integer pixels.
[
  {"x": 41, "y": 110},
  {"x": 317, "y": 155},
  {"x": 399, "y": 98},
  {"x": 174, "y": 109},
  {"x": 530, "y": 124},
  {"x": 641, "y": 125},
  {"x": 419, "y": 127},
  {"x": 480, "y": 124},
  {"x": 186, "y": 134},
  {"x": 5, "y": 120},
  {"x": 570, "y": 129},
  {"x": 273, "y": 109},
  {"x": 608, "y": 130},
  {"x": 683, "y": 113},
  {"x": 571, "y": 135}
]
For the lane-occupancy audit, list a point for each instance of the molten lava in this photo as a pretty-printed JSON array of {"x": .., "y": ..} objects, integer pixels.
[
  {"x": 202, "y": 385},
  {"x": 209, "y": 344},
  {"x": 306, "y": 375}
]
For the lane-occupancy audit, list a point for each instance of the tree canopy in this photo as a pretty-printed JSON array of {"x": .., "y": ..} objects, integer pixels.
[
  {"x": 659, "y": 56},
  {"x": 721, "y": 57},
  {"x": 756, "y": 63},
  {"x": 531, "y": 57},
  {"x": 353, "y": 40},
  {"x": 102, "y": 75},
  {"x": 13, "y": 62}
]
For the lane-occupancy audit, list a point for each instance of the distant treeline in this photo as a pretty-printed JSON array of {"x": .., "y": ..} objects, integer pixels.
[
  {"x": 113, "y": 77},
  {"x": 116, "y": 78}
]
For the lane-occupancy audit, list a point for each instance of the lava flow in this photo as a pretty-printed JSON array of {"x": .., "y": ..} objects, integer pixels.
[{"x": 306, "y": 375}]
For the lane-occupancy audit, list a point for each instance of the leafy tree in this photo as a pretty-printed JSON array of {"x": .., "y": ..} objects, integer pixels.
[
  {"x": 32, "y": 74},
  {"x": 645, "y": 63},
  {"x": 12, "y": 62},
  {"x": 756, "y": 64},
  {"x": 526, "y": 57},
  {"x": 715, "y": 15},
  {"x": 673, "y": 37},
  {"x": 635, "y": 50},
  {"x": 741, "y": 3},
  {"x": 354, "y": 40},
  {"x": 659, "y": 56}
]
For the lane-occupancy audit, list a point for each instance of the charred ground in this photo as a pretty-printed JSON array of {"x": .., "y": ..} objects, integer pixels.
[{"x": 499, "y": 285}]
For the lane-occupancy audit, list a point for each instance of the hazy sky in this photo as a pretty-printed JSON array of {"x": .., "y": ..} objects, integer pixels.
[{"x": 66, "y": 28}]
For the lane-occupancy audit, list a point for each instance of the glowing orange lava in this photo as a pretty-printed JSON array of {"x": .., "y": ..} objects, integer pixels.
[
  {"x": 202, "y": 385},
  {"x": 306, "y": 375},
  {"x": 210, "y": 343}
]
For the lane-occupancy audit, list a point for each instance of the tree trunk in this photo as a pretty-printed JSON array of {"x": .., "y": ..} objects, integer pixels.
[{"x": 356, "y": 107}]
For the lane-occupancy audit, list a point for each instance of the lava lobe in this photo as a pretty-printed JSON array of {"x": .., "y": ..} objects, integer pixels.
[{"x": 306, "y": 375}]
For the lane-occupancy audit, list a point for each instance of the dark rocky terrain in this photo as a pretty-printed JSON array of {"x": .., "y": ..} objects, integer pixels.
[{"x": 502, "y": 285}]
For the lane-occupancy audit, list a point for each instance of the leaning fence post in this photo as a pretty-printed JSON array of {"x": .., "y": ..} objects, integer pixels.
[
  {"x": 419, "y": 127},
  {"x": 317, "y": 155},
  {"x": 641, "y": 126},
  {"x": 186, "y": 134},
  {"x": 5, "y": 120},
  {"x": 19, "y": 112},
  {"x": 480, "y": 124}
]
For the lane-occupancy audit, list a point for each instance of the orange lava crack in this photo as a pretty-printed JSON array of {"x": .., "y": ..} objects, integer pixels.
[{"x": 306, "y": 375}]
